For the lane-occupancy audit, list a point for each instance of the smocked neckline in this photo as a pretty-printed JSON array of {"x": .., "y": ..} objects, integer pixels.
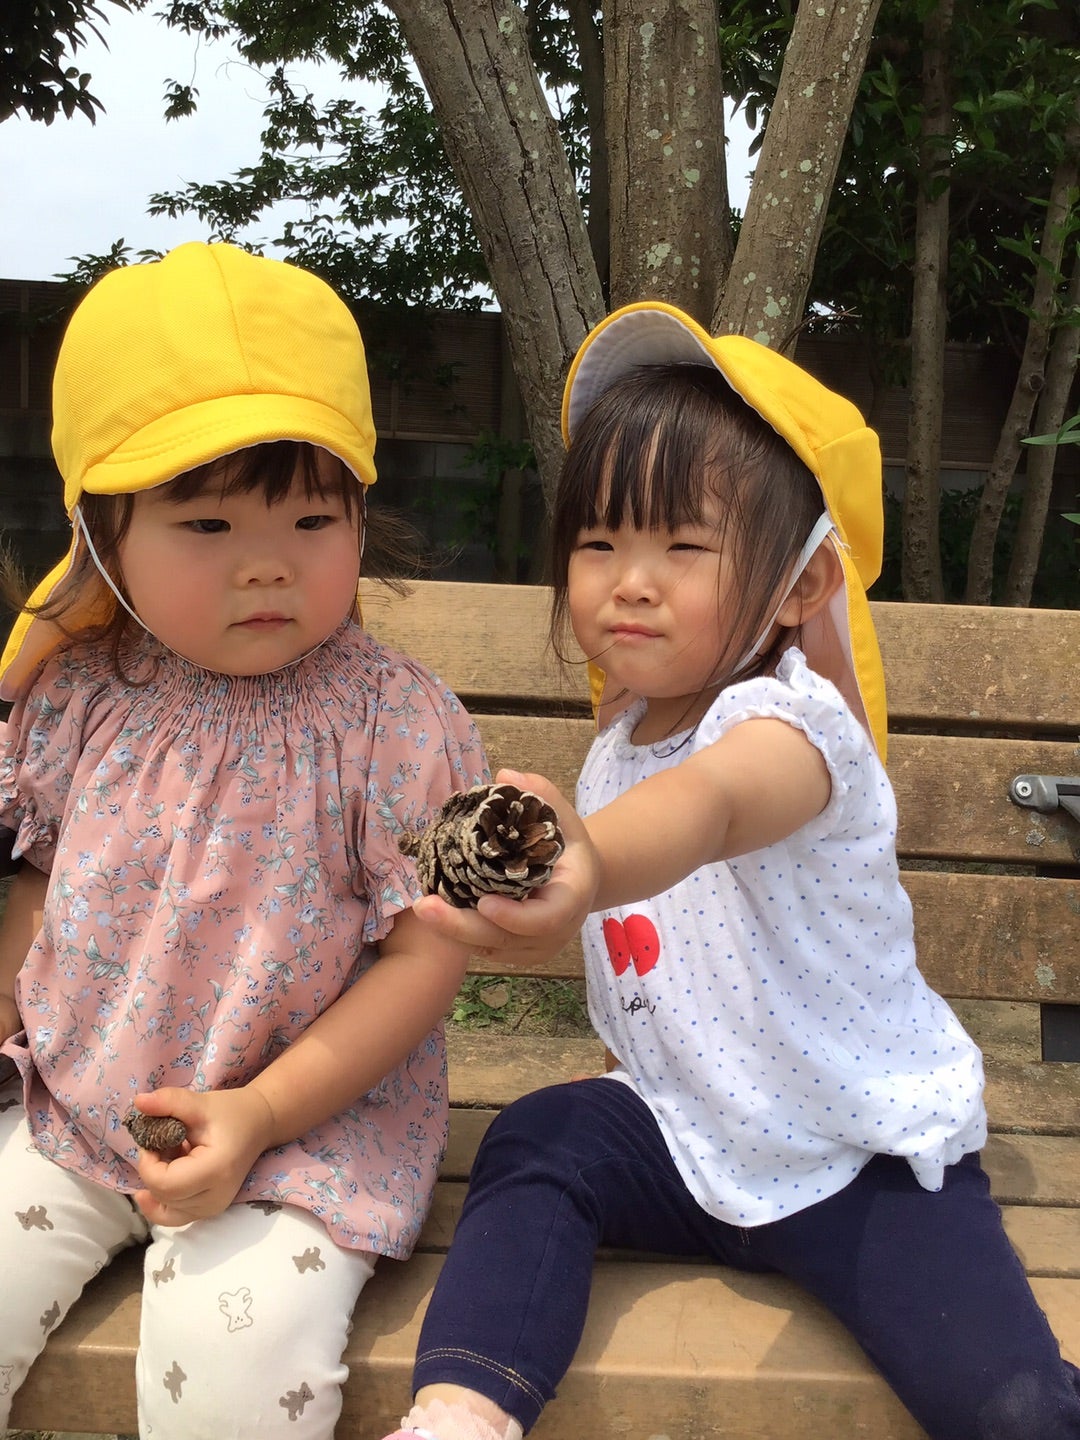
[{"x": 170, "y": 668}]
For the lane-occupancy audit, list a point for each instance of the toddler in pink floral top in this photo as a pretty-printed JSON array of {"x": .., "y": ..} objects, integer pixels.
[{"x": 208, "y": 764}]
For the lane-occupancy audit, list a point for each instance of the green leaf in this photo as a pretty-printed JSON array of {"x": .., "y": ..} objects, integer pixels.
[{"x": 1069, "y": 434}]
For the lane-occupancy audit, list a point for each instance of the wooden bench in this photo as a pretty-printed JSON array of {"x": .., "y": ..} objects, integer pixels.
[{"x": 977, "y": 697}]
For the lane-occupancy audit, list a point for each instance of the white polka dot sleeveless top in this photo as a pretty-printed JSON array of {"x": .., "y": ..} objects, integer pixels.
[{"x": 769, "y": 1009}]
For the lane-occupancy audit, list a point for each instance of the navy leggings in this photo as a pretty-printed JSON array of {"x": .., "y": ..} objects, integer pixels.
[{"x": 927, "y": 1282}]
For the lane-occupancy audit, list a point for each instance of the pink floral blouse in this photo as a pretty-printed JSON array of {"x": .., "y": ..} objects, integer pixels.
[{"x": 223, "y": 859}]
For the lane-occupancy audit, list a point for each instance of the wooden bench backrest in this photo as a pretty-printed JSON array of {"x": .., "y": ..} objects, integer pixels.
[{"x": 976, "y": 697}]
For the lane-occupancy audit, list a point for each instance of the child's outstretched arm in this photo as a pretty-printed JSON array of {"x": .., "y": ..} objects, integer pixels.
[
  {"x": 21, "y": 922},
  {"x": 345, "y": 1052},
  {"x": 757, "y": 784}
]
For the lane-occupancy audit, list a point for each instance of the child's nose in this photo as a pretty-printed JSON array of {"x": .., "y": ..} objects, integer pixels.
[
  {"x": 635, "y": 583},
  {"x": 264, "y": 567}
]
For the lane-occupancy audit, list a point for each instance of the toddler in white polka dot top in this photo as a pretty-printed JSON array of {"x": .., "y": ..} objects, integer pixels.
[{"x": 785, "y": 1092}]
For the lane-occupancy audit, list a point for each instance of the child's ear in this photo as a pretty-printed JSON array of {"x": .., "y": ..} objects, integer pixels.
[{"x": 815, "y": 587}]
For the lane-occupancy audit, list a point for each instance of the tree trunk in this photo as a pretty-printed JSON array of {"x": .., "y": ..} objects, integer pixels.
[
  {"x": 1029, "y": 381},
  {"x": 664, "y": 115},
  {"x": 473, "y": 57},
  {"x": 591, "y": 57},
  {"x": 920, "y": 557},
  {"x": 770, "y": 275},
  {"x": 474, "y": 60},
  {"x": 1060, "y": 374}
]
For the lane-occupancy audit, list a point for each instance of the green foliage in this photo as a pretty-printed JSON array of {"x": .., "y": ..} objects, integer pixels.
[
  {"x": 180, "y": 100},
  {"x": 376, "y": 208},
  {"x": 1015, "y": 77},
  {"x": 36, "y": 38},
  {"x": 753, "y": 36},
  {"x": 497, "y": 454},
  {"x": 383, "y": 218},
  {"x": 1069, "y": 434},
  {"x": 478, "y": 512},
  {"x": 1057, "y": 582},
  {"x": 466, "y": 512}
]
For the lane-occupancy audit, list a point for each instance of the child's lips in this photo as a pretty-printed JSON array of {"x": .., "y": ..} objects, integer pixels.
[
  {"x": 634, "y": 632},
  {"x": 265, "y": 620}
]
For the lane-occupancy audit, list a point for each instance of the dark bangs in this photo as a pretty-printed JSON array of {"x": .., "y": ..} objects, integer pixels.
[
  {"x": 647, "y": 453},
  {"x": 270, "y": 470}
]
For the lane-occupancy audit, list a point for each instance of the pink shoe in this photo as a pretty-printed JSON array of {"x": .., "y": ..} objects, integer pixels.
[{"x": 411, "y": 1435}]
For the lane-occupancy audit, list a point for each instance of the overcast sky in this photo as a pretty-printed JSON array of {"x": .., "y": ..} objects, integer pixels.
[{"x": 74, "y": 188}]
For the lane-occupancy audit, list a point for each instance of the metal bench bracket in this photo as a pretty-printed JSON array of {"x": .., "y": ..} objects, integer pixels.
[{"x": 1047, "y": 793}]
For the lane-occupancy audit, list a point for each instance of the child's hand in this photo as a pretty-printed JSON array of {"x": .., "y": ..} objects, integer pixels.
[
  {"x": 227, "y": 1132},
  {"x": 541, "y": 924}
]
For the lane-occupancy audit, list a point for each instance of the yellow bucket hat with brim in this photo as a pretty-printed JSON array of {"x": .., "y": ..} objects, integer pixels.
[
  {"x": 169, "y": 365},
  {"x": 825, "y": 430}
]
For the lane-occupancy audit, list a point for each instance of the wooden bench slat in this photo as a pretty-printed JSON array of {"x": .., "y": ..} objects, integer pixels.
[
  {"x": 997, "y": 936},
  {"x": 652, "y": 1351},
  {"x": 488, "y": 1071},
  {"x": 1033, "y": 1170},
  {"x": 980, "y": 665},
  {"x": 1006, "y": 667},
  {"x": 1046, "y": 1238},
  {"x": 655, "y": 1360},
  {"x": 1033, "y": 1099},
  {"x": 953, "y": 799},
  {"x": 449, "y": 627},
  {"x": 523, "y": 742},
  {"x": 778, "y": 1364}
]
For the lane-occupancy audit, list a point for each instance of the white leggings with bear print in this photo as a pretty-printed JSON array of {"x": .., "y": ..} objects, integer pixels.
[{"x": 244, "y": 1317}]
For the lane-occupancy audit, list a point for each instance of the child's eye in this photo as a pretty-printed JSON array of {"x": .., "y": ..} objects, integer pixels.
[
  {"x": 207, "y": 527},
  {"x": 591, "y": 542},
  {"x": 686, "y": 545},
  {"x": 315, "y": 522}
]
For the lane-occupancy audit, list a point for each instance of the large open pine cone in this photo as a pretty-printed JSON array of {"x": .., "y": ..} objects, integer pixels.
[{"x": 492, "y": 839}]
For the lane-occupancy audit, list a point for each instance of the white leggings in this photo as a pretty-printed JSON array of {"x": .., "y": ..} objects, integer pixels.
[{"x": 244, "y": 1317}]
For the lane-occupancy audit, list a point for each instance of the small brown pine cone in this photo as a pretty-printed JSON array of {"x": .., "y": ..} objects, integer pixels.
[
  {"x": 492, "y": 839},
  {"x": 155, "y": 1132}
]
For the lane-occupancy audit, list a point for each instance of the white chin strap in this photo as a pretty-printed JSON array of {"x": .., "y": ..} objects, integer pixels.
[
  {"x": 806, "y": 554},
  {"x": 81, "y": 529}
]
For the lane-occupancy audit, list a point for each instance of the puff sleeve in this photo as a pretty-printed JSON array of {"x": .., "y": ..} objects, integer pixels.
[
  {"x": 421, "y": 746},
  {"x": 40, "y": 747}
]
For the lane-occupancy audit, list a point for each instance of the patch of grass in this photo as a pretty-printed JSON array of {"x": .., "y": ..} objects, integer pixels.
[
  {"x": 519, "y": 1004},
  {"x": 57, "y": 1435}
]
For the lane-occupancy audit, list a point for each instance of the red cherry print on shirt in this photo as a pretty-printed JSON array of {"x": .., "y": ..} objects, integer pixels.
[
  {"x": 617, "y": 948},
  {"x": 644, "y": 942}
]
